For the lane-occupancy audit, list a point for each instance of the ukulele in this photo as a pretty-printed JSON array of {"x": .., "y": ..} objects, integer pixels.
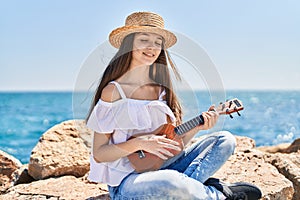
[{"x": 143, "y": 161}]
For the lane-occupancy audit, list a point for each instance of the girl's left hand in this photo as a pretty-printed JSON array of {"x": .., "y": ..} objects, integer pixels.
[{"x": 210, "y": 118}]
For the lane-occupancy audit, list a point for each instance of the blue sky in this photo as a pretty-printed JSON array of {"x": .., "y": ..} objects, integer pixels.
[{"x": 253, "y": 44}]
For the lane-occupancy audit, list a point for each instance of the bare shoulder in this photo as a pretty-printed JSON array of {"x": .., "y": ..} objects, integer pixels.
[{"x": 110, "y": 93}]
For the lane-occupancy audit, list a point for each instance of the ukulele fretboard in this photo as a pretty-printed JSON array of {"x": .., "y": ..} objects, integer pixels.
[{"x": 189, "y": 125}]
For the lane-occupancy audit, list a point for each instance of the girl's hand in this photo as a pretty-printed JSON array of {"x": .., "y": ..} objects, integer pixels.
[
  {"x": 158, "y": 145},
  {"x": 210, "y": 118}
]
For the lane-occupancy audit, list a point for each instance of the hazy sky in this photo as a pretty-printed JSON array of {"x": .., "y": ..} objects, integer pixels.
[{"x": 253, "y": 44}]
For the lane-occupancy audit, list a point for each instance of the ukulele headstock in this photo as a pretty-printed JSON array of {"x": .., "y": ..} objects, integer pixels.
[{"x": 230, "y": 106}]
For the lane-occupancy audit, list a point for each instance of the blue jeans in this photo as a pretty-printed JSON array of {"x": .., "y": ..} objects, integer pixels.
[{"x": 181, "y": 177}]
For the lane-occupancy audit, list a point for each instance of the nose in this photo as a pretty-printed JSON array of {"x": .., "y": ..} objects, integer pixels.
[{"x": 151, "y": 45}]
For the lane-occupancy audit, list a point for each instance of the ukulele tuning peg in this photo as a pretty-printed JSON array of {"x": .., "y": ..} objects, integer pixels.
[
  {"x": 228, "y": 113},
  {"x": 230, "y": 104},
  {"x": 236, "y": 110},
  {"x": 221, "y": 103}
]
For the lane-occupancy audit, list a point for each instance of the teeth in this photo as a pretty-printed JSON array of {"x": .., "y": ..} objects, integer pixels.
[{"x": 149, "y": 54}]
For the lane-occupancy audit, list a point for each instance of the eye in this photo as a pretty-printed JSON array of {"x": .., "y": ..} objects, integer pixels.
[
  {"x": 158, "y": 43},
  {"x": 144, "y": 40}
]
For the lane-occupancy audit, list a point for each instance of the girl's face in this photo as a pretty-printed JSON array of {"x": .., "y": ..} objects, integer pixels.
[{"x": 146, "y": 48}]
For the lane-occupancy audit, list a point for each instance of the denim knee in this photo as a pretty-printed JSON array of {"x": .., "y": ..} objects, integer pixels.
[
  {"x": 228, "y": 140},
  {"x": 161, "y": 184}
]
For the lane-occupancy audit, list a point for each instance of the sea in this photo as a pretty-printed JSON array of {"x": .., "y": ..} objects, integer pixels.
[{"x": 269, "y": 117}]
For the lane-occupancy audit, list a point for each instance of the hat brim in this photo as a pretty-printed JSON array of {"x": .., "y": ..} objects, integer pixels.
[{"x": 116, "y": 36}]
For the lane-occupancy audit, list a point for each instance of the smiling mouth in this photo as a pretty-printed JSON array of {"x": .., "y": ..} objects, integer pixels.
[{"x": 148, "y": 54}]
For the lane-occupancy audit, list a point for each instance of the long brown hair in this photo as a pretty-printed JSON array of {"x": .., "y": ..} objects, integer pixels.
[{"x": 158, "y": 72}]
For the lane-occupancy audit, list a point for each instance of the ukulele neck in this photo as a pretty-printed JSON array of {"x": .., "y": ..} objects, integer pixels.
[
  {"x": 189, "y": 125},
  {"x": 230, "y": 106}
]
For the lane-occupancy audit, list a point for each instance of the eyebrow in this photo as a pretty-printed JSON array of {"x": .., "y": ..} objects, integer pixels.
[{"x": 159, "y": 37}]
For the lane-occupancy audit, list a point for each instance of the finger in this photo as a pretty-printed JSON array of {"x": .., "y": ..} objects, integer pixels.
[
  {"x": 208, "y": 116},
  {"x": 212, "y": 108},
  {"x": 170, "y": 146},
  {"x": 202, "y": 125},
  {"x": 166, "y": 140},
  {"x": 161, "y": 155},
  {"x": 166, "y": 152},
  {"x": 213, "y": 115},
  {"x": 204, "y": 119},
  {"x": 208, "y": 122},
  {"x": 204, "y": 115},
  {"x": 157, "y": 137}
]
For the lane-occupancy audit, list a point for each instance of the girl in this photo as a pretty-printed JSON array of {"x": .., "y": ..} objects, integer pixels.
[{"x": 134, "y": 97}]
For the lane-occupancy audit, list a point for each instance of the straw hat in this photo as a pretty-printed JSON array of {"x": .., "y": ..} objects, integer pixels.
[{"x": 142, "y": 22}]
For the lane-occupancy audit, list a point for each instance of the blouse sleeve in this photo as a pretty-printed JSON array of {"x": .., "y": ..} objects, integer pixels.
[
  {"x": 101, "y": 119},
  {"x": 92, "y": 122},
  {"x": 107, "y": 117}
]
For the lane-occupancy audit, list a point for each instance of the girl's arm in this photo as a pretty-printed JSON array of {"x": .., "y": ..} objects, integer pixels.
[
  {"x": 157, "y": 145},
  {"x": 105, "y": 152},
  {"x": 210, "y": 119}
]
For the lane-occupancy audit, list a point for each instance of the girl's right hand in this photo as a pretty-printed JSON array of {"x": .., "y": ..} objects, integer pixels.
[{"x": 158, "y": 145}]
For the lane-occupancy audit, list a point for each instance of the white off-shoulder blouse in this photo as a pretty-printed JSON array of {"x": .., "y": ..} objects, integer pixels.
[{"x": 124, "y": 118}]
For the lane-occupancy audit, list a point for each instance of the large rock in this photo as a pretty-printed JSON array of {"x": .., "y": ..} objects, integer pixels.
[
  {"x": 66, "y": 187},
  {"x": 61, "y": 151},
  {"x": 64, "y": 150},
  {"x": 286, "y": 158},
  {"x": 248, "y": 165},
  {"x": 289, "y": 166},
  {"x": 282, "y": 148},
  {"x": 9, "y": 170}
]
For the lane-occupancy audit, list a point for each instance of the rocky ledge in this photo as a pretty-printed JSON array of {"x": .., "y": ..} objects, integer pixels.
[{"x": 59, "y": 165}]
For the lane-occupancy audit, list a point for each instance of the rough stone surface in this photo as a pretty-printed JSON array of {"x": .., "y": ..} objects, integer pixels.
[
  {"x": 289, "y": 166},
  {"x": 283, "y": 148},
  {"x": 66, "y": 187},
  {"x": 9, "y": 170},
  {"x": 24, "y": 177},
  {"x": 61, "y": 158},
  {"x": 248, "y": 165},
  {"x": 60, "y": 151}
]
